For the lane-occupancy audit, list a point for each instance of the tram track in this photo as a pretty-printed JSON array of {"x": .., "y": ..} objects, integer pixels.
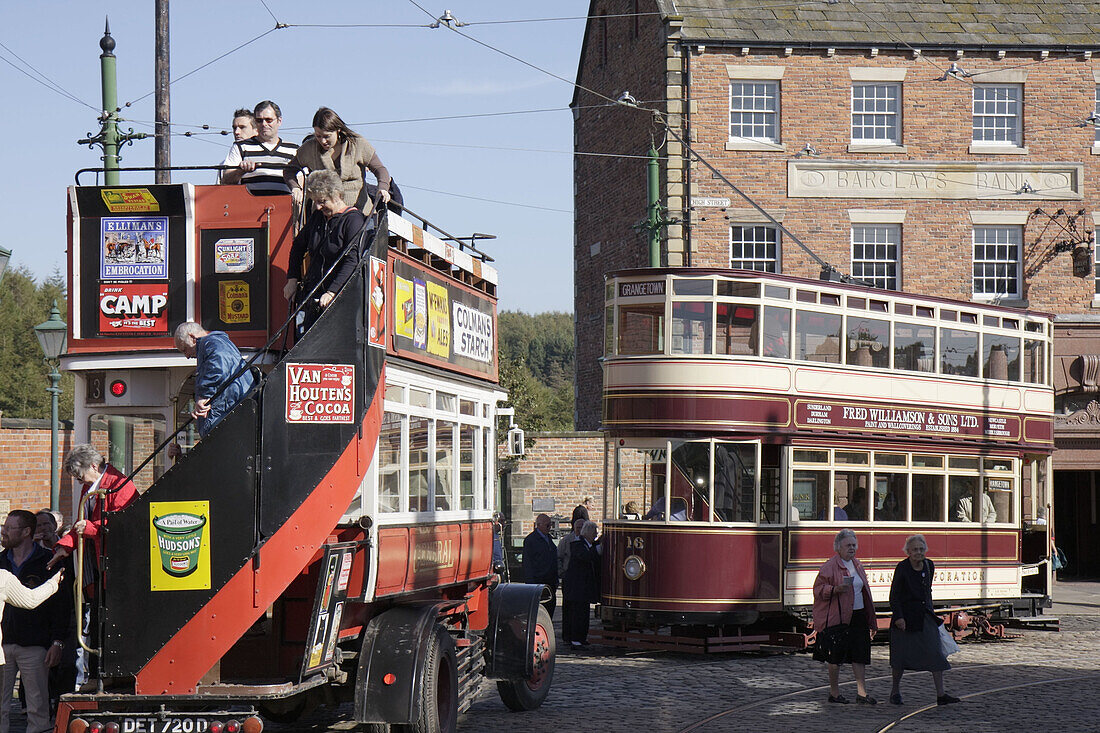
[
  {"x": 1035, "y": 683},
  {"x": 794, "y": 694}
]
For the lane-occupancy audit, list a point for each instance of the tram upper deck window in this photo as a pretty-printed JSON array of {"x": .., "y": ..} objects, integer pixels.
[
  {"x": 817, "y": 337},
  {"x": 738, "y": 289},
  {"x": 444, "y": 465},
  {"x": 927, "y": 492},
  {"x": 609, "y": 331},
  {"x": 1001, "y": 357},
  {"x": 692, "y": 286},
  {"x": 642, "y": 328},
  {"x": 395, "y": 393},
  {"x": 1035, "y": 361},
  {"x": 389, "y": 462},
  {"x": 868, "y": 342},
  {"x": 777, "y": 332},
  {"x": 738, "y": 326},
  {"x": 914, "y": 347},
  {"x": 958, "y": 352},
  {"x": 777, "y": 292},
  {"x": 691, "y": 327}
]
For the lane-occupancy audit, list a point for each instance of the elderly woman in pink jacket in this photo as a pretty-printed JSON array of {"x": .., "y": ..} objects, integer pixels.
[{"x": 844, "y": 617}]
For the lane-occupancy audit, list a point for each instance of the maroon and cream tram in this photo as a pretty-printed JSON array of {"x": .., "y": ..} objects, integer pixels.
[
  {"x": 330, "y": 539},
  {"x": 751, "y": 416}
]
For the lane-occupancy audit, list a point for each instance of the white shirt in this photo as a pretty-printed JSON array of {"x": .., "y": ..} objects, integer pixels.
[
  {"x": 857, "y": 584},
  {"x": 17, "y": 594}
]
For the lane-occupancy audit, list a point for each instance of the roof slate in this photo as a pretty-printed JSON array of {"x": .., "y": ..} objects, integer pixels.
[{"x": 925, "y": 23}]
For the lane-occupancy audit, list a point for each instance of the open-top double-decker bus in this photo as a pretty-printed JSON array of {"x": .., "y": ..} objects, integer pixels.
[
  {"x": 330, "y": 539},
  {"x": 753, "y": 415}
]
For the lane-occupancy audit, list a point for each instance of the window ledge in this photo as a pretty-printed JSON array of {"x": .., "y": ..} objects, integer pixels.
[
  {"x": 877, "y": 148},
  {"x": 997, "y": 300},
  {"x": 979, "y": 149},
  {"x": 740, "y": 144},
  {"x": 1095, "y": 149}
]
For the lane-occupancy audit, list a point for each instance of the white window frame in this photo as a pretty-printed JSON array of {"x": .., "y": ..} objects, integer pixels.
[
  {"x": 893, "y": 118},
  {"x": 768, "y": 91},
  {"x": 1096, "y": 122},
  {"x": 771, "y": 77},
  {"x": 1016, "y": 233},
  {"x": 894, "y": 237},
  {"x": 1014, "y": 95},
  {"x": 777, "y": 260}
]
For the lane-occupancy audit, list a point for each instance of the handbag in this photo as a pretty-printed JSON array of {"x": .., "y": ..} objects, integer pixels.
[
  {"x": 1058, "y": 559},
  {"x": 947, "y": 641},
  {"x": 832, "y": 641}
]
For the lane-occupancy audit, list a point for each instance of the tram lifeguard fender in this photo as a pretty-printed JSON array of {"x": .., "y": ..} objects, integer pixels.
[
  {"x": 396, "y": 642},
  {"x": 513, "y": 615}
]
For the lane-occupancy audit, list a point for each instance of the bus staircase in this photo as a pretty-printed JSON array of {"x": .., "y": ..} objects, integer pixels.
[{"x": 271, "y": 492}]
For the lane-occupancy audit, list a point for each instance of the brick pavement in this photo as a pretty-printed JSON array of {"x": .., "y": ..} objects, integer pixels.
[{"x": 1042, "y": 681}]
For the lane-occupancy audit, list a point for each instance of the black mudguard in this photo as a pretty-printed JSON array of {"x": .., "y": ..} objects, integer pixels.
[
  {"x": 396, "y": 641},
  {"x": 510, "y": 638}
]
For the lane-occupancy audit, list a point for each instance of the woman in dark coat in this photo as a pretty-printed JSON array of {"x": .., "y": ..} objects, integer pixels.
[
  {"x": 914, "y": 633},
  {"x": 580, "y": 586}
]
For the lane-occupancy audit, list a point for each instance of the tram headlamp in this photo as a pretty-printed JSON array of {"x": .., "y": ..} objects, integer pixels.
[{"x": 633, "y": 567}]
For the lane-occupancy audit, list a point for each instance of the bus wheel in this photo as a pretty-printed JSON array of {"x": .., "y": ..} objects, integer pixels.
[
  {"x": 520, "y": 695},
  {"x": 437, "y": 707}
]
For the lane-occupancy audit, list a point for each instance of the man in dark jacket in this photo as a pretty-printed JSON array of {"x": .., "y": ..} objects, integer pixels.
[
  {"x": 540, "y": 559},
  {"x": 580, "y": 586},
  {"x": 34, "y": 639},
  {"x": 218, "y": 360}
]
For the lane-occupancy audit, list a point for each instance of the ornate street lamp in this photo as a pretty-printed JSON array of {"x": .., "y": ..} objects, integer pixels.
[{"x": 51, "y": 337}]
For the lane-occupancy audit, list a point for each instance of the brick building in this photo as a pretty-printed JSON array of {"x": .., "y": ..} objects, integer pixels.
[{"x": 946, "y": 148}]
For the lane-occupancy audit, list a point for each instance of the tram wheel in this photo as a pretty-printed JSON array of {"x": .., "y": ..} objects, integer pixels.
[
  {"x": 437, "y": 706},
  {"x": 521, "y": 695}
]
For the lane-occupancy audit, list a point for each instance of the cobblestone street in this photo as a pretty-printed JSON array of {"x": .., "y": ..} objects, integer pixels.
[{"x": 1042, "y": 681}]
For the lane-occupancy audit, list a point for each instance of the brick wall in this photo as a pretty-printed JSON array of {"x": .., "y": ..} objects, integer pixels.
[
  {"x": 565, "y": 467},
  {"x": 25, "y": 478}
]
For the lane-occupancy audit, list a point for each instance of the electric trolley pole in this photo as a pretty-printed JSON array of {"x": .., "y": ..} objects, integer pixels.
[{"x": 655, "y": 219}]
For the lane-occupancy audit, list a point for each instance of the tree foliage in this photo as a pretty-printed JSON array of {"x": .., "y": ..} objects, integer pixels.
[
  {"x": 536, "y": 367},
  {"x": 23, "y": 373}
]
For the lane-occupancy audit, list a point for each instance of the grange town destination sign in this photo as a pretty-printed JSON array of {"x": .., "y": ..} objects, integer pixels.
[{"x": 934, "y": 180}]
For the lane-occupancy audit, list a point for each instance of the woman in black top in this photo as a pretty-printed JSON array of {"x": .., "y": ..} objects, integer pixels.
[{"x": 914, "y": 632}]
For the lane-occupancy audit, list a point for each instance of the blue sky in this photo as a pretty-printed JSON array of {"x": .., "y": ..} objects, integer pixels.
[{"x": 368, "y": 75}]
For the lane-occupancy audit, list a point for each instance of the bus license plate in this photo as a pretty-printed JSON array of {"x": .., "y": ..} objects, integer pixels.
[{"x": 175, "y": 724}]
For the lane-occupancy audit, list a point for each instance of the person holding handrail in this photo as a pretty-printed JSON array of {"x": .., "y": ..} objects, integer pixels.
[
  {"x": 328, "y": 232},
  {"x": 337, "y": 148},
  {"x": 218, "y": 361}
]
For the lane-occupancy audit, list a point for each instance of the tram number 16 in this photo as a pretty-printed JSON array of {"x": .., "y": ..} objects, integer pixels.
[{"x": 635, "y": 543}]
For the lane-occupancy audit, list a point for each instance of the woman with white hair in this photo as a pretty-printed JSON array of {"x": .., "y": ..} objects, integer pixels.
[
  {"x": 914, "y": 626},
  {"x": 844, "y": 617}
]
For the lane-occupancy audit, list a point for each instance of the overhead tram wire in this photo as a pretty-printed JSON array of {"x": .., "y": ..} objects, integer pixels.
[
  {"x": 826, "y": 266},
  {"x": 43, "y": 80},
  {"x": 490, "y": 201},
  {"x": 278, "y": 26}
]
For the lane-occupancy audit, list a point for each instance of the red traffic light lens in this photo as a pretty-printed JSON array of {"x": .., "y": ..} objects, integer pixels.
[{"x": 118, "y": 388}]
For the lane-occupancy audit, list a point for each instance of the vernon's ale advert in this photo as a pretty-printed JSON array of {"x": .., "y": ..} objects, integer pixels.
[
  {"x": 320, "y": 393},
  {"x": 134, "y": 248}
]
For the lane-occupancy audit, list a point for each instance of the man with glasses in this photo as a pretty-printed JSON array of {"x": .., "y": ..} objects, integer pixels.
[
  {"x": 258, "y": 162},
  {"x": 34, "y": 640}
]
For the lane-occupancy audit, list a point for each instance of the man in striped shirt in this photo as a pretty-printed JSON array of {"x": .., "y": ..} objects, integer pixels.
[{"x": 258, "y": 162}]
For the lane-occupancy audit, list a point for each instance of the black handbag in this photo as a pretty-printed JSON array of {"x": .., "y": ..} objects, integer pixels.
[{"x": 832, "y": 642}]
